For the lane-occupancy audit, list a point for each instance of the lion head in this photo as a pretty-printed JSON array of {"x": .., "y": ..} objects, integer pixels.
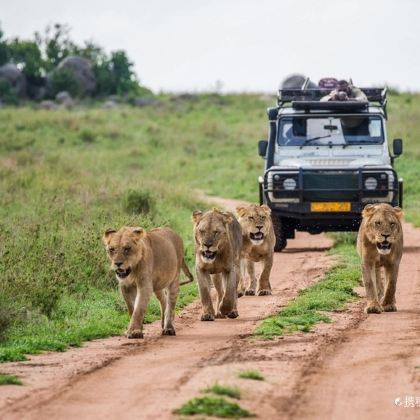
[
  {"x": 383, "y": 226},
  {"x": 211, "y": 233},
  {"x": 255, "y": 221},
  {"x": 124, "y": 249}
]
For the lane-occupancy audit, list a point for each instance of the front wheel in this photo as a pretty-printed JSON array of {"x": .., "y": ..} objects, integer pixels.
[{"x": 280, "y": 232}]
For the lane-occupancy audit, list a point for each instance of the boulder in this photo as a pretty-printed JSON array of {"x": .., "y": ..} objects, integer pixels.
[
  {"x": 141, "y": 101},
  {"x": 47, "y": 104},
  {"x": 109, "y": 104},
  {"x": 64, "y": 98},
  {"x": 17, "y": 80},
  {"x": 296, "y": 81},
  {"x": 82, "y": 71}
]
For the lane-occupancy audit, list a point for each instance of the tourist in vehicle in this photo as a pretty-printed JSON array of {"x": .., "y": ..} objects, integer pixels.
[{"x": 345, "y": 92}]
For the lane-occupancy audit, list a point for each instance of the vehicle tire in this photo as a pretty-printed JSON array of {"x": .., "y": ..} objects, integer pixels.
[{"x": 281, "y": 240}]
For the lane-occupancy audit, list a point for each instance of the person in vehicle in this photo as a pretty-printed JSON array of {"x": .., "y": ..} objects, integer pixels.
[{"x": 345, "y": 92}]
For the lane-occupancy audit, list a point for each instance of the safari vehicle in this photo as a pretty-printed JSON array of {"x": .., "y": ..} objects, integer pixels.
[{"x": 324, "y": 161}]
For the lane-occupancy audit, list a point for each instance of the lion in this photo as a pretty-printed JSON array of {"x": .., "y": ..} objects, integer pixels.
[
  {"x": 380, "y": 244},
  {"x": 147, "y": 262},
  {"x": 258, "y": 239},
  {"x": 218, "y": 243}
]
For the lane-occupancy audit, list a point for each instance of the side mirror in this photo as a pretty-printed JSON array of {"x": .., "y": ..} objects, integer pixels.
[
  {"x": 262, "y": 147},
  {"x": 397, "y": 146}
]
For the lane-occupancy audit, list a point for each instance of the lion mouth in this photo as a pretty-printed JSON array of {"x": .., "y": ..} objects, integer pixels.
[
  {"x": 209, "y": 255},
  {"x": 122, "y": 274},
  {"x": 384, "y": 246},
  {"x": 258, "y": 236}
]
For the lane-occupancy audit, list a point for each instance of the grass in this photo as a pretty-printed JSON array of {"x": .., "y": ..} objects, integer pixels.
[
  {"x": 251, "y": 374},
  {"x": 331, "y": 293},
  {"x": 9, "y": 380},
  {"x": 211, "y": 406},
  {"x": 224, "y": 390}
]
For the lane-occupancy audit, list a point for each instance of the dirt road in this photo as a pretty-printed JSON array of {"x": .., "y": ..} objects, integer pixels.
[{"x": 352, "y": 368}]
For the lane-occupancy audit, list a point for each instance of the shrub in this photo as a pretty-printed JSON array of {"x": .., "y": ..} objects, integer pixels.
[
  {"x": 63, "y": 80},
  {"x": 138, "y": 202}
]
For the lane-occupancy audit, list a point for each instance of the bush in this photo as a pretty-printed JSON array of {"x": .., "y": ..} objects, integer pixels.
[
  {"x": 63, "y": 80},
  {"x": 7, "y": 95},
  {"x": 138, "y": 202}
]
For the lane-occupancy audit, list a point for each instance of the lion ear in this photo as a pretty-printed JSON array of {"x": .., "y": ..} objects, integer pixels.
[
  {"x": 107, "y": 234},
  {"x": 241, "y": 211},
  {"x": 196, "y": 216},
  {"x": 399, "y": 212},
  {"x": 266, "y": 209},
  {"x": 227, "y": 217},
  {"x": 138, "y": 232},
  {"x": 369, "y": 210}
]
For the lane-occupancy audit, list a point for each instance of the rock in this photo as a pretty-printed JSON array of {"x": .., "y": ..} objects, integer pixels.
[
  {"x": 109, "y": 105},
  {"x": 296, "y": 81},
  {"x": 17, "y": 80},
  {"x": 144, "y": 101},
  {"x": 82, "y": 71},
  {"x": 47, "y": 105},
  {"x": 185, "y": 97},
  {"x": 64, "y": 98}
]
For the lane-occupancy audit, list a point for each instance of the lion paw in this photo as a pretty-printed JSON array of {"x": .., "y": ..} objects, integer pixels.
[
  {"x": 391, "y": 307},
  {"x": 264, "y": 292},
  {"x": 233, "y": 314},
  {"x": 169, "y": 331},
  {"x": 250, "y": 292},
  {"x": 207, "y": 317},
  {"x": 240, "y": 294},
  {"x": 373, "y": 308},
  {"x": 134, "y": 334}
]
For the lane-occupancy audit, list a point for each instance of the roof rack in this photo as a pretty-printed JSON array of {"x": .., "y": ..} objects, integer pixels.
[{"x": 310, "y": 99}]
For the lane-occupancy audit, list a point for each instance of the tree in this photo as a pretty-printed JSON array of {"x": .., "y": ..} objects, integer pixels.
[
  {"x": 27, "y": 57},
  {"x": 4, "y": 50}
]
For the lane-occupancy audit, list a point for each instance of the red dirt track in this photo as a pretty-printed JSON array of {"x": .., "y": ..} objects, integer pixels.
[{"x": 353, "y": 368}]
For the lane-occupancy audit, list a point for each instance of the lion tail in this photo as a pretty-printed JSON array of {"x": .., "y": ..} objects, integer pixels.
[{"x": 187, "y": 273}]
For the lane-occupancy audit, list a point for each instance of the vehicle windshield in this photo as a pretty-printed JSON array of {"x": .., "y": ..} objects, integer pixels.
[{"x": 327, "y": 131}]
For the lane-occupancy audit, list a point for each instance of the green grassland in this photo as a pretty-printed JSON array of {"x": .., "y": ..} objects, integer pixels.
[{"x": 66, "y": 176}]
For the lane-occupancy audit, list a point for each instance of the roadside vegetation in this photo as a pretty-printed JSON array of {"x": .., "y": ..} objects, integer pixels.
[
  {"x": 224, "y": 390},
  {"x": 9, "y": 380},
  {"x": 67, "y": 175},
  {"x": 331, "y": 293},
  {"x": 252, "y": 374}
]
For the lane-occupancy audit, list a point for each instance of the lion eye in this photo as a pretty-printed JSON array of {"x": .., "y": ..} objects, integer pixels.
[
  {"x": 262, "y": 217},
  {"x": 392, "y": 224},
  {"x": 202, "y": 230},
  {"x": 250, "y": 218},
  {"x": 111, "y": 250},
  {"x": 216, "y": 232},
  {"x": 378, "y": 223},
  {"x": 126, "y": 250}
]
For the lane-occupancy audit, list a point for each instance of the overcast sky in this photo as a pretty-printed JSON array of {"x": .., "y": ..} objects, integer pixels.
[{"x": 248, "y": 45}]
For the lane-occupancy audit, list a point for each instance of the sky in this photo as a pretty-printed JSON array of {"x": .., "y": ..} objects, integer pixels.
[{"x": 240, "y": 45}]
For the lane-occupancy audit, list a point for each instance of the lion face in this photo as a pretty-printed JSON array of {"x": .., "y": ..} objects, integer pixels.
[
  {"x": 211, "y": 233},
  {"x": 383, "y": 226},
  {"x": 124, "y": 249},
  {"x": 255, "y": 221}
]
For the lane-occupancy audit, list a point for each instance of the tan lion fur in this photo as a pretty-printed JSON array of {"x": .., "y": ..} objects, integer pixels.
[
  {"x": 380, "y": 244},
  {"x": 256, "y": 220},
  {"x": 218, "y": 243},
  {"x": 147, "y": 262}
]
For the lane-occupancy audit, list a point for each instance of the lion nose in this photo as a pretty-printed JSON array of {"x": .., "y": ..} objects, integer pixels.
[
  {"x": 259, "y": 227},
  {"x": 208, "y": 244},
  {"x": 385, "y": 236},
  {"x": 118, "y": 264}
]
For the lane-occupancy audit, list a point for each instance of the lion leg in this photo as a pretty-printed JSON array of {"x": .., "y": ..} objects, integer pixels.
[
  {"x": 218, "y": 285},
  {"x": 135, "y": 327},
  {"x": 264, "y": 287},
  {"x": 162, "y": 298},
  {"x": 129, "y": 295},
  {"x": 379, "y": 281},
  {"x": 388, "y": 301},
  {"x": 241, "y": 282},
  {"x": 250, "y": 291},
  {"x": 228, "y": 306},
  {"x": 203, "y": 280},
  {"x": 173, "y": 291},
  {"x": 373, "y": 306}
]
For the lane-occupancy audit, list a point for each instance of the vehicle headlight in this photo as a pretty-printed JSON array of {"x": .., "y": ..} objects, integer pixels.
[
  {"x": 289, "y": 184},
  {"x": 371, "y": 183}
]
